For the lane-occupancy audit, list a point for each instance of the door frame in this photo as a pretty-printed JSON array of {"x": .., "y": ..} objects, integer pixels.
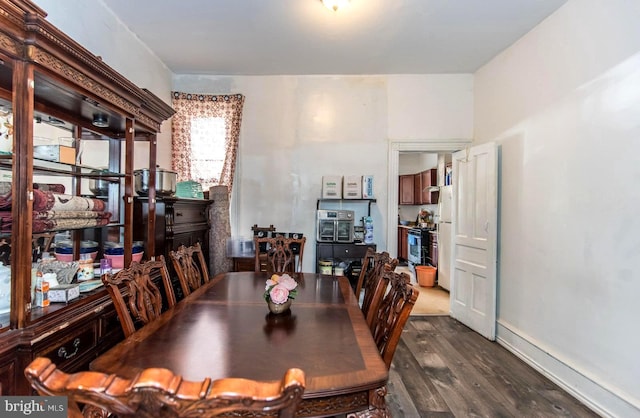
[{"x": 397, "y": 146}]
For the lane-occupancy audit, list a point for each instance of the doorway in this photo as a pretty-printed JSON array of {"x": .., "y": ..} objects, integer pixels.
[{"x": 395, "y": 149}]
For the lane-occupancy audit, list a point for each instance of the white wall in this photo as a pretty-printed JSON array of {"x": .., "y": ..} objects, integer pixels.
[
  {"x": 98, "y": 30},
  {"x": 295, "y": 129},
  {"x": 563, "y": 103}
]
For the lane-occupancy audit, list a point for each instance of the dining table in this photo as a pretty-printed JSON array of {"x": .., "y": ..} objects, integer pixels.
[{"x": 224, "y": 329}]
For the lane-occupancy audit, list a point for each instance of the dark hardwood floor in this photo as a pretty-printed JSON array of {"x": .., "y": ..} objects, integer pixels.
[{"x": 443, "y": 369}]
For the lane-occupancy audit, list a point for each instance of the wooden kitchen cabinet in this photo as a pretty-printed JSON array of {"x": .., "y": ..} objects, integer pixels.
[
  {"x": 419, "y": 188},
  {"x": 425, "y": 192},
  {"x": 406, "y": 189},
  {"x": 432, "y": 256},
  {"x": 403, "y": 243}
]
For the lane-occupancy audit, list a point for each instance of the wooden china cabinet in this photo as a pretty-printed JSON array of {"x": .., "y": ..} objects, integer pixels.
[{"x": 47, "y": 77}]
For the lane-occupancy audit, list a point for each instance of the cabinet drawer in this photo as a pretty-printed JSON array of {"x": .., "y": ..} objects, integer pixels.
[
  {"x": 198, "y": 228},
  {"x": 324, "y": 251},
  {"x": 347, "y": 251},
  {"x": 64, "y": 348},
  {"x": 189, "y": 213}
]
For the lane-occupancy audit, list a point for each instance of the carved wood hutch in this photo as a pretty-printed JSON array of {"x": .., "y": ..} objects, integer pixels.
[{"x": 47, "y": 76}]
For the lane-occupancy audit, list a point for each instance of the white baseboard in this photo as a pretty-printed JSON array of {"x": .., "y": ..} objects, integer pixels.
[{"x": 605, "y": 401}]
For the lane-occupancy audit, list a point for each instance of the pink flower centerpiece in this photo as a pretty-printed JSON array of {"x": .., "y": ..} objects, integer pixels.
[{"x": 279, "y": 292}]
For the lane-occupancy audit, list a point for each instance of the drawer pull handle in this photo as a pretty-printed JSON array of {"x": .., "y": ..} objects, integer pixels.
[
  {"x": 178, "y": 213},
  {"x": 62, "y": 352}
]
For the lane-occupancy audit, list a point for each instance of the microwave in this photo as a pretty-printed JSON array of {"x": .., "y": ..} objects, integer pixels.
[{"x": 335, "y": 225}]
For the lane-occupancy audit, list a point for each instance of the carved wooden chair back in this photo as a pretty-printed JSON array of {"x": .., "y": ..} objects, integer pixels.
[
  {"x": 262, "y": 232},
  {"x": 282, "y": 254},
  {"x": 393, "y": 313},
  {"x": 375, "y": 284},
  {"x": 261, "y": 245},
  {"x": 158, "y": 393},
  {"x": 190, "y": 266},
  {"x": 137, "y": 299},
  {"x": 366, "y": 261},
  {"x": 296, "y": 245}
]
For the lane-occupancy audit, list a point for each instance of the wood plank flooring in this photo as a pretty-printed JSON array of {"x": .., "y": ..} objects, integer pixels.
[{"x": 443, "y": 369}]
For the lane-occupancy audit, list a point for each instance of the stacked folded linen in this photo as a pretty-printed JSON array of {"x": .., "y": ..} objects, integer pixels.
[{"x": 57, "y": 212}]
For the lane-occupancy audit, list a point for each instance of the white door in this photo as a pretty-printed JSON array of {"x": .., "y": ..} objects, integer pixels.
[{"x": 475, "y": 214}]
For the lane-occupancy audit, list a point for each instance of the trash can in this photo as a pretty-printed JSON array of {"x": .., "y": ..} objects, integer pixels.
[{"x": 426, "y": 276}]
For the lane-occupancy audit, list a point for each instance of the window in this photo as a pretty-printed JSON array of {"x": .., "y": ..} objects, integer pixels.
[
  {"x": 205, "y": 132},
  {"x": 208, "y": 150}
]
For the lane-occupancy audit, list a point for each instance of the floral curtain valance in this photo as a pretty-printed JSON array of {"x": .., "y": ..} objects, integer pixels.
[{"x": 189, "y": 107}]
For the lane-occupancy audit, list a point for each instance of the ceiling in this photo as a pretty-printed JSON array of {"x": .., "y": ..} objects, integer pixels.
[{"x": 279, "y": 37}]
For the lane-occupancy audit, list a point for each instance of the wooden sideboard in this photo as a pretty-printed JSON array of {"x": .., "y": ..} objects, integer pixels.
[
  {"x": 177, "y": 221},
  {"x": 71, "y": 336}
]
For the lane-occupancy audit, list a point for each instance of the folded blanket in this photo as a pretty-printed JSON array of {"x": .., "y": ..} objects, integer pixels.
[
  {"x": 49, "y": 187},
  {"x": 70, "y": 214},
  {"x": 63, "y": 224},
  {"x": 45, "y": 200},
  {"x": 5, "y": 201},
  {"x": 58, "y": 220}
]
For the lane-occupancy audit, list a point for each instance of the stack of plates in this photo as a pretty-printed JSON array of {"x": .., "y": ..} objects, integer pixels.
[{"x": 189, "y": 189}]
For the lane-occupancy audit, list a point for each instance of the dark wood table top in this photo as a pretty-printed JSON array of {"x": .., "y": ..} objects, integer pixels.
[{"x": 225, "y": 329}]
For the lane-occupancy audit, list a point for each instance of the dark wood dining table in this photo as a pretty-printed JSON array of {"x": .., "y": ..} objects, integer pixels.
[{"x": 224, "y": 329}]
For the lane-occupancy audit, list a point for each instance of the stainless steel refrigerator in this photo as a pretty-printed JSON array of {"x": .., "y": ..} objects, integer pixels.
[{"x": 445, "y": 235}]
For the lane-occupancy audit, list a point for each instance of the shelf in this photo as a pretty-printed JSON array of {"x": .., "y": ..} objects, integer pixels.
[{"x": 369, "y": 202}]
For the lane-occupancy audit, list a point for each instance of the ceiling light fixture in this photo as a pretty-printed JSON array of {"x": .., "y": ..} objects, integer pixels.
[
  {"x": 335, "y": 4},
  {"x": 101, "y": 121}
]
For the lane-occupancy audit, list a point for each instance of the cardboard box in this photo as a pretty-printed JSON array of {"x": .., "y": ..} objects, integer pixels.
[
  {"x": 64, "y": 292},
  {"x": 367, "y": 187},
  {"x": 57, "y": 153},
  {"x": 332, "y": 187},
  {"x": 352, "y": 187}
]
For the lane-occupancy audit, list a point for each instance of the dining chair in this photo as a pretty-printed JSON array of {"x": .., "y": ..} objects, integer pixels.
[
  {"x": 190, "y": 266},
  {"x": 263, "y": 232},
  {"x": 279, "y": 256},
  {"x": 136, "y": 297},
  {"x": 392, "y": 314},
  {"x": 158, "y": 393},
  {"x": 373, "y": 281}
]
